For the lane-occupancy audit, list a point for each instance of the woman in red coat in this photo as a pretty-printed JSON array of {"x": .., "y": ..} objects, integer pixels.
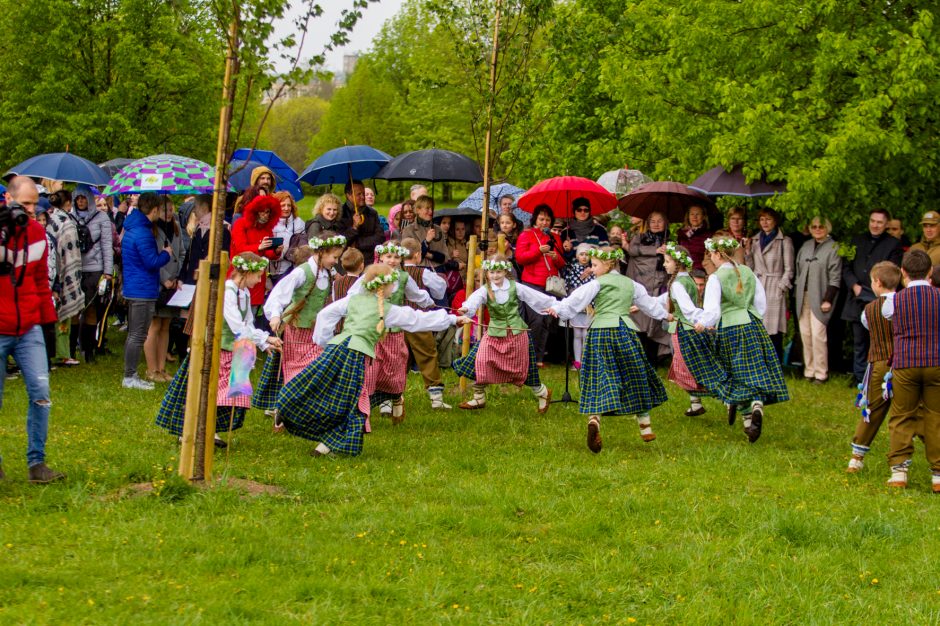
[
  {"x": 540, "y": 253},
  {"x": 254, "y": 232}
]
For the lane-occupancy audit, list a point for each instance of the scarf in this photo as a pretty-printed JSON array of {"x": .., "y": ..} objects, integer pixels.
[
  {"x": 581, "y": 229},
  {"x": 424, "y": 223},
  {"x": 766, "y": 238}
]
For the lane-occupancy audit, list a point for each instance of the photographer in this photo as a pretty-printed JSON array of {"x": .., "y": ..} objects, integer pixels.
[
  {"x": 96, "y": 245},
  {"x": 24, "y": 290}
]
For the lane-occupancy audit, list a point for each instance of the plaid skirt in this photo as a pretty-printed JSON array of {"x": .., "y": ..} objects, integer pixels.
[
  {"x": 322, "y": 403},
  {"x": 388, "y": 371},
  {"x": 616, "y": 378},
  {"x": 173, "y": 408},
  {"x": 688, "y": 347},
  {"x": 299, "y": 351},
  {"x": 497, "y": 360},
  {"x": 270, "y": 383},
  {"x": 744, "y": 366}
]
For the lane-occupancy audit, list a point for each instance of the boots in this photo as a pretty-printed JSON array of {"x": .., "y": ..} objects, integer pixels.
[
  {"x": 437, "y": 398},
  {"x": 899, "y": 475},
  {"x": 478, "y": 401}
]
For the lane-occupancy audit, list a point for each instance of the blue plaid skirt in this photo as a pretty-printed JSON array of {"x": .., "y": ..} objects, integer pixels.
[
  {"x": 172, "y": 411},
  {"x": 616, "y": 377},
  {"x": 698, "y": 352},
  {"x": 743, "y": 367},
  {"x": 466, "y": 365},
  {"x": 270, "y": 383},
  {"x": 322, "y": 402}
]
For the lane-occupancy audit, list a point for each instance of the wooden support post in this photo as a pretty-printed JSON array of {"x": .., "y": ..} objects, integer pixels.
[
  {"x": 471, "y": 270},
  {"x": 197, "y": 344},
  {"x": 212, "y": 408}
]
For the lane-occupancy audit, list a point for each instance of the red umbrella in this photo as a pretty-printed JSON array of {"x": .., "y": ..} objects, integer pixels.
[
  {"x": 559, "y": 192},
  {"x": 670, "y": 199}
]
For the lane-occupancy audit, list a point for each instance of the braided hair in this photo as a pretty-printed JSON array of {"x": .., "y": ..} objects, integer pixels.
[{"x": 679, "y": 267}]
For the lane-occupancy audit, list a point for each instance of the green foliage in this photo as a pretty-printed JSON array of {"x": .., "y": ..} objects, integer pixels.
[{"x": 288, "y": 126}]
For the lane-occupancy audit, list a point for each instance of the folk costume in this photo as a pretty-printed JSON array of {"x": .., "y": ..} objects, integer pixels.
[
  {"x": 505, "y": 354},
  {"x": 327, "y": 402},
  {"x": 424, "y": 345}
]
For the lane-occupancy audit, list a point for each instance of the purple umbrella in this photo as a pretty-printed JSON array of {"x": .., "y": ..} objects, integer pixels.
[{"x": 718, "y": 182}]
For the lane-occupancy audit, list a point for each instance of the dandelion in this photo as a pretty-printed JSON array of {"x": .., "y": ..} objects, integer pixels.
[
  {"x": 632, "y": 620},
  {"x": 874, "y": 581}
]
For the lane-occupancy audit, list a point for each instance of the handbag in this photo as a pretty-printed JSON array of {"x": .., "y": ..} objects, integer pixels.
[{"x": 554, "y": 285}]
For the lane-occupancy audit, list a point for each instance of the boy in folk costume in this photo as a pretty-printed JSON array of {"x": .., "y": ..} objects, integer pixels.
[
  {"x": 387, "y": 374},
  {"x": 616, "y": 377},
  {"x": 746, "y": 372},
  {"x": 327, "y": 402},
  {"x": 504, "y": 354},
  {"x": 248, "y": 270},
  {"x": 885, "y": 278},
  {"x": 423, "y": 345},
  {"x": 690, "y": 350},
  {"x": 915, "y": 408}
]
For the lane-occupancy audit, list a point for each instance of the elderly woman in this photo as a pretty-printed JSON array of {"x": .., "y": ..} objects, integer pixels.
[
  {"x": 645, "y": 266},
  {"x": 818, "y": 274},
  {"x": 695, "y": 230},
  {"x": 771, "y": 258}
]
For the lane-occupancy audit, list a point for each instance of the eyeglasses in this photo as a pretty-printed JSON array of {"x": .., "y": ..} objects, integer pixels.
[
  {"x": 816, "y": 226},
  {"x": 582, "y": 209}
]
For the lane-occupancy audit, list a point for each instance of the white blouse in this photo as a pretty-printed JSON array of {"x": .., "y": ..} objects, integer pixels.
[
  {"x": 711, "y": 303},
  {"x": 404, "y": 317},
  {"x": 413, "y": 292},
  {"x": 434, "y": 283},
  {"x": 537, "y": 300},
  {"x": 283, "y": 292},
  {"x": 236, "y": 301},
  {"x": 681, "y": 296},
  {"x": 584, "y": 295}
]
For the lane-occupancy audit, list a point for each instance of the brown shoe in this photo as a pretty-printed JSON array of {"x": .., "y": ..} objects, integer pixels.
[
  {"x": 545, "y": 402},
  {"x": 594, "y": 437},
  {"x": 41, "y": 474},
  {"x": 690, "y": 412}
]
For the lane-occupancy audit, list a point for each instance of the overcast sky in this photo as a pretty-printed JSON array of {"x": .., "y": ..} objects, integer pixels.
[{"x": 360, "y": 39}]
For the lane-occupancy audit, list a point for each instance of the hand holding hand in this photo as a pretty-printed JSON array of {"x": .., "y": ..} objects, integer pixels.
[
  {"x": 551, "y": 311},
  {"x": 700, "y": 327},
  {"x": 463, "y": 320},
  {"x": 275, "y": 342}
]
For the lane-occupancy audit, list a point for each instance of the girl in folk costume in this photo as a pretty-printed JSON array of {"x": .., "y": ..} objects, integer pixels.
[
  {"x": 386, "y": 374},
  {"x": 248, "y": 270},
  {"x": 327, "y": 402},
  {"x": 690, "y": 350},
  {"x": 746, "y": 372},
  {"x": 616, "y": 377},
  {"x": 504, "y": 354},
  {"x": 577, "y": 273},
  {"x": 293, "y": 305}
]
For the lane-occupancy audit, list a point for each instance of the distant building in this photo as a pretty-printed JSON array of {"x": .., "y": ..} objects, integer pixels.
[
  {"x": 349, "y": 63},
  {"x": 320, "y": 88}
]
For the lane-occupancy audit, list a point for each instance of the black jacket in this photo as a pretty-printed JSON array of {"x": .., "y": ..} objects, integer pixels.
[
  {"x": 869, "y": 250},
  {"x": 369, "y": 234}
]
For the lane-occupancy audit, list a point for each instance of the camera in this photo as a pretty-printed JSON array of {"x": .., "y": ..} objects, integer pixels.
[{"x": 12, "y": 216}]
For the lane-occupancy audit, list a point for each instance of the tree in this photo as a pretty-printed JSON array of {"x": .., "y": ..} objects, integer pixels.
[{"x": 289, "y": 125}]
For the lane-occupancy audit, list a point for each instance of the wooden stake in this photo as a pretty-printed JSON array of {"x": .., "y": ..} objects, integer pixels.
[
  {"x": 471, "y": 270},
  {"x": 489, "y": 122},
  {"x": 212, "y": 408},
  {"x": 197, "y": 345}
]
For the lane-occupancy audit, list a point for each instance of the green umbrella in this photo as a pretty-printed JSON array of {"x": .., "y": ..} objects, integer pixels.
[{"x": 163, "y": 173}]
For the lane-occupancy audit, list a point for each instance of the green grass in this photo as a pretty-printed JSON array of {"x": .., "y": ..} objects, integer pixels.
[{"x": 498, "y": 515}]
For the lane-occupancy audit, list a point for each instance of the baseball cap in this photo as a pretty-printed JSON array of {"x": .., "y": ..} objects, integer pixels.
[{"x": 930, "y": 217}]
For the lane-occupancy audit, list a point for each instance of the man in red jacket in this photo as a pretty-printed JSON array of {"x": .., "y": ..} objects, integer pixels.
[{"x": 27, "y": 304}]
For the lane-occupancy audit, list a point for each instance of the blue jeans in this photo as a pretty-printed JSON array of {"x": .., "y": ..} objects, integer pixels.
[{"x": 29, "y": 352}]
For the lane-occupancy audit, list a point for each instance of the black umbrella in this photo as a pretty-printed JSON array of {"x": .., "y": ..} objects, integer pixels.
[
  {"x": 718, "y": 182},
  {"x": 432, "y": 165},
  {"x": 114, "y": 166}
]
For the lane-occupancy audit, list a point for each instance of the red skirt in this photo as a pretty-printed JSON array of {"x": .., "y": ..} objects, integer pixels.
[
  {"x": 678, "y": 372},
  {"x": 503, "y": 359},
  {"x": 299, "y": 351},
  {"x": 389, "y": 369},
  {"x": 225, "y": 370}
]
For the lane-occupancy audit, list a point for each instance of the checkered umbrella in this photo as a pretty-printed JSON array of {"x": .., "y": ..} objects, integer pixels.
[{"x": 164, "y": 173}]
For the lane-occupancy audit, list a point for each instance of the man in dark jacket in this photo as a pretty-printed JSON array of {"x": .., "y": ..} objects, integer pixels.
[
  {"x": 363, "y": 229},
  {"x": 872, "y": 247},
  {"x": 27, "y": 304}
]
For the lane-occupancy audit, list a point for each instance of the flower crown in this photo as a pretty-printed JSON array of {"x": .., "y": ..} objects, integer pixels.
[
  {"x": 244, "y": 265},
  {"x": 392, "y": 248},
  {"x": 336, "y": 241},
  {"x": 725, "y": 244},
  {"x": 381, "y": 280},
  {"x": 607, "y": 255},
  {"x": 497, "y": 266},
  {"x": 679, "y": 256}
]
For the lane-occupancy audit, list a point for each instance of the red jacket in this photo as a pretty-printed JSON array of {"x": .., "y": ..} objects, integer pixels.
[
  {"x": 247, "y": 235},
  {"x": 536, "y": 266},
  {"x": 26, "y": 297}
]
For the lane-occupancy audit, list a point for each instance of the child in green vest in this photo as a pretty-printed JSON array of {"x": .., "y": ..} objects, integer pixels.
[
  {"x": 746, "y": 372},
  {"x": 328, "y": 401},
  {"x": 504, "y": 354},
  {"x": 616, "y": 377},
  {"x": 690, "y": 350},
  {"x": 238, "y": 322}
]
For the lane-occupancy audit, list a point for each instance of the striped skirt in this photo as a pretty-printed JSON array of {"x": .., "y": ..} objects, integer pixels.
[
  {"x": 323, "y": 402},
  {"x": 616, "y": 377},
  {"x": 270, "y": 383},
  {"x": 689, "y": 349},
  {"x": 497, "y": 360},
  {"x": 388, "y": 371},
  {"x": 172, "y": 410},
  {"x": 299, "y": 351},
  {"x": 743, "y": 367}
]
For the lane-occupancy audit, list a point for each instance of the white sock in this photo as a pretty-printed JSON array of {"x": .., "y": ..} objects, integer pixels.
[{"x": 322, "y": 449}]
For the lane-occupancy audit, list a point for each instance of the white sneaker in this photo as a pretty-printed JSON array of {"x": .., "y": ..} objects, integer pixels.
[
  {"x": 134, "y": 382},
  {"x": 385, "y": 408}
]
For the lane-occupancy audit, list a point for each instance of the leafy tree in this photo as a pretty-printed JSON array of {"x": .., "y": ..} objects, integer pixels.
[{"x": 289, "y": 125}]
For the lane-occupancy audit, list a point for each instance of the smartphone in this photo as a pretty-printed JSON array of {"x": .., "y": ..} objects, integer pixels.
[{"x": 277, "y": 241}]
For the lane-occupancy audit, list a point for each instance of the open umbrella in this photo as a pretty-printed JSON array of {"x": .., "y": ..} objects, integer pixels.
[
  {"x": 623, "y": 181},
  {"x": 559, "y": 192},
  {"x": 339, "y": 165},
  {"x": 669, "y": 198},
  {"x": 240, "y": 178},
  {"x": 114, "y": 166},
  {"x": 270, "y": 159},
  {"x": 459, "y": 212},
  {"x": 164, "y": 173},
  {"x": 475, "y": 199},
  {"x": 63, "y": 166},
  {"x": 432, "y": 165},
  {"x": 718, "y": 182}
]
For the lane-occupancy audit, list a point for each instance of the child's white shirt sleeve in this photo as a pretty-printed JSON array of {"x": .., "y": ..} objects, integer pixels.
[
  {"x": 419, "y": 296},
  {"x": 280, "y": 297},
  {"x": 536, "y": 300},
  {"x": 577, "y": 301},
  {"x": 475, "y": 301},
  {"x": 711, "y": 303},
  {"x": 242, "y": 327},
  {"x": 681, "y": 296},
  {"x": 327, "y": 319},
  {"x": 760, "y": 298},
  {"x": 435, "y": 284},
  {"x": 647, "y": 303},
  {"x": 414, "y": 321},
  {"x": 887, "y": 307}
]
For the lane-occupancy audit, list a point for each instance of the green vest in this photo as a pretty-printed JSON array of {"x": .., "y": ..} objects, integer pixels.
[
  {"x": 398, "y": 296},
  {"x": 362, "y": 316},
  {"x": 688, "y": 284},
  {"x": 613, "y": 301},
  {"x": 228, "y": 335},
  {"x": 736, "y": 306},
  {"x": 304, "y": 314},
  {"x": 506, "y": 315}
]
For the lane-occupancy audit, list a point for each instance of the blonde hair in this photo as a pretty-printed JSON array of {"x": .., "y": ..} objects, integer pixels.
[
  {"x": 373, "y": 271},
  {"x": 887, "y": 273},
  {"x": 322, "y": 201},
  {"x": 251, "y": 257},
  {"x": 672, "y": 278},
  {"x": 352, "y": 260},
  {"x": 485, "y": 277},
  {"x": 729, "y": 258},
  {"x": 413, "y": 245},
  {"x": 424, "y": 201},
  {"x": 611, "y": 263}
]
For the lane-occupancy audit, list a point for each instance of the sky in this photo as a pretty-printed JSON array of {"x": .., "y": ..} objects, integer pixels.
[{"x": 361, "y": 37}]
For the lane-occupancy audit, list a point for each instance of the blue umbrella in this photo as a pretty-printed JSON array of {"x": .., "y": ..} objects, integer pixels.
[
  {"x": 62, "y": 166},
  {"x": 3, "y": 189},
  {"x": 475, "y": 200},
  {"x": 240, "y": 178},
  {"x": 269, "y": 159},
  {"x": 338, "y": 165}
]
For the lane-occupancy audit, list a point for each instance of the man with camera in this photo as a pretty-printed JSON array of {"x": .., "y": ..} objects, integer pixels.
[{"x": 27, "y": 304}]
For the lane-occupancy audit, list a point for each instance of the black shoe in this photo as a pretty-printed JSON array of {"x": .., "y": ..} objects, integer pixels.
[
  {"x": 690, "y": 412},
  {"x": 732, "y": 413},
  {"x": 219, "y": 443},
  {"x": 757, "y": 420},
  {"x": 42, "y": 474}
]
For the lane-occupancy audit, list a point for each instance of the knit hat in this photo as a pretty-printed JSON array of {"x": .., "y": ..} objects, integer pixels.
[{"x": 258, "y": 171}]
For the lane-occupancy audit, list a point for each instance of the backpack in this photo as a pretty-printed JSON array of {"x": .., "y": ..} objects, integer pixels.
[{"x": 85, "y": 242}]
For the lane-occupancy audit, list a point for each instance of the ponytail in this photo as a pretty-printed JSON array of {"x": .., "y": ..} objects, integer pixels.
[
  {"x": 669, "y": 306},
  {"x": 734, "y": 264}
]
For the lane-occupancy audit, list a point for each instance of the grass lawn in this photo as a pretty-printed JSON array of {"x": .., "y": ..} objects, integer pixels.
[{"x": 498, "y": 515}]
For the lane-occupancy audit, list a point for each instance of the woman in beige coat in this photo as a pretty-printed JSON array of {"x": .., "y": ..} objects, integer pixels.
[
  {"x": 818, "y": 275},
  {"x": 771, "y": 258}
]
